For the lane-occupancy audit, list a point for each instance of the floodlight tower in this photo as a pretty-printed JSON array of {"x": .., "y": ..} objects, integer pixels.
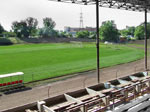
[{"x": 81, "y": 19}]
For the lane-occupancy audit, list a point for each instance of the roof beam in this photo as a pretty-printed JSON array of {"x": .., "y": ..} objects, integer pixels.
[{"x": 132, "y": 5}]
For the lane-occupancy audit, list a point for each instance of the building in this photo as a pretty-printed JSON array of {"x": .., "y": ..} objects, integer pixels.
[{"x": 76, "y": 29}]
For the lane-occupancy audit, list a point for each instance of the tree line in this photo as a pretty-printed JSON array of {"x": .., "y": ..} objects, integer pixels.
[
  {"x": 28, "y": 28},
  {"x": 109, "y": 32}
]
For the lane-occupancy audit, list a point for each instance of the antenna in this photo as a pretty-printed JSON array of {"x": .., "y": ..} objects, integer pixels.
[{"x": 81, "y": 19}]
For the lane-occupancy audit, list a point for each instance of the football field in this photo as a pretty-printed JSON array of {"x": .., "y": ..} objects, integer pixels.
[{"x": 40, "y": 61}]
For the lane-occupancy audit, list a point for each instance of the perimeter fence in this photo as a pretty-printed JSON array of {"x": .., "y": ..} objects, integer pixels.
[{"x": 87, "y": 79}]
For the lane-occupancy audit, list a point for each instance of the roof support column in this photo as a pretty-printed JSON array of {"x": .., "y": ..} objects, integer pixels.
[
  {"x": 97, "y": 39},
  {"x": 146, "y": 39}
]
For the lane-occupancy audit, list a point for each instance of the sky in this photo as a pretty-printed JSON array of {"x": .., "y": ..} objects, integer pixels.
[{"x": 64, "y": 14}]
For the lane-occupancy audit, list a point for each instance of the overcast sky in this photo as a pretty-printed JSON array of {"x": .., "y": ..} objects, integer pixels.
[{"x": 63, "y": 14}]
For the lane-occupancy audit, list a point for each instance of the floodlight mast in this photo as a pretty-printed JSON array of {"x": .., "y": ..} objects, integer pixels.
[{"x": 131, "y": 5}]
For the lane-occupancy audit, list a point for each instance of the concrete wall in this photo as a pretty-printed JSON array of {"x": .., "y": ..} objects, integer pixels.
[{"x": 55, "y": 40}]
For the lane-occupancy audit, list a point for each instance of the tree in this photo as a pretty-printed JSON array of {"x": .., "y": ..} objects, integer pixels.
[
  {"x": 92, "y": 35},
  {"x": 48, "y": 29},
  {"x": 25, "y": 28},
  {"x": 20, "y": 28},
  {"x": 139, "y": 32},
  {"x": 45, "y": 32},
  {"x": 31, "y": 25},
  {"x": 128, "y": 31},
  {"x": 109, "y": 32},
  {"x": 131, "y": 31},
  {"x": 63, "y": 34},
  {"x": 1, "y": 29},
  {"x": 124, "y": 32},
  {"x": 49, "y": 23},
  {"x": 9, "y": 34},
  {"x": 82, "y": 34}
]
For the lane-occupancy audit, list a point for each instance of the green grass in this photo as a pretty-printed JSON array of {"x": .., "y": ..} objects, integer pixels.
[
  {"x": 39, "y": 61},
  {"x": 138, "y": 45}
]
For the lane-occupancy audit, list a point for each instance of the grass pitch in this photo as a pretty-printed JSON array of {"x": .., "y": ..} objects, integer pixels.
[{"x": 40, "y": 61}]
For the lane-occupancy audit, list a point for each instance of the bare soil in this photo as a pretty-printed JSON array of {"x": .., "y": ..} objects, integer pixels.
[{"x": 71, "y": 84}]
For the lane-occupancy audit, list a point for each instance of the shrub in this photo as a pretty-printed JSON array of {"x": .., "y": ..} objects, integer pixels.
[
  {"x": 8, "y": 34},
  {"x": 5, "y": 41}
]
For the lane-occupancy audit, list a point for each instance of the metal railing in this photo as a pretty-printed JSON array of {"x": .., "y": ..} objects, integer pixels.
[{"x": 116, "y": 97}]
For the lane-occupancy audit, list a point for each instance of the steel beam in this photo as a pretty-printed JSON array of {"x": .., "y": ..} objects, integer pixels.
[
  {"x": 132, "y": 5},
  {"x": 146, "y": 39},
  {"x": 97, "y": 40}
]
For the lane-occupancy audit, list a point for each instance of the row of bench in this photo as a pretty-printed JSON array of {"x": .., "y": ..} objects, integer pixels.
[
  {"x": 98, "y": 97},
  {"x": 11, "y": 83}
]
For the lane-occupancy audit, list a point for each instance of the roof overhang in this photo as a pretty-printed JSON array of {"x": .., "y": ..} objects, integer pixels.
[
  {"x": 133, "y": 5},
  {"x": 11, "y": 74}
]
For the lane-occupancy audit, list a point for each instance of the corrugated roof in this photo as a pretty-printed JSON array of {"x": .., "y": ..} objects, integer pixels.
[
  {"x": 11, "y": 74},
  {"x": 133, "y": 5}
]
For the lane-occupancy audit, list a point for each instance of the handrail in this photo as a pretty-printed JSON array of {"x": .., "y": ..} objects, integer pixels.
[{"x": 112, "y": 93}]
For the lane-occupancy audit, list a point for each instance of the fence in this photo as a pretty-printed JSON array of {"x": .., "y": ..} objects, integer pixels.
[{"x": 87, "y": 79}]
